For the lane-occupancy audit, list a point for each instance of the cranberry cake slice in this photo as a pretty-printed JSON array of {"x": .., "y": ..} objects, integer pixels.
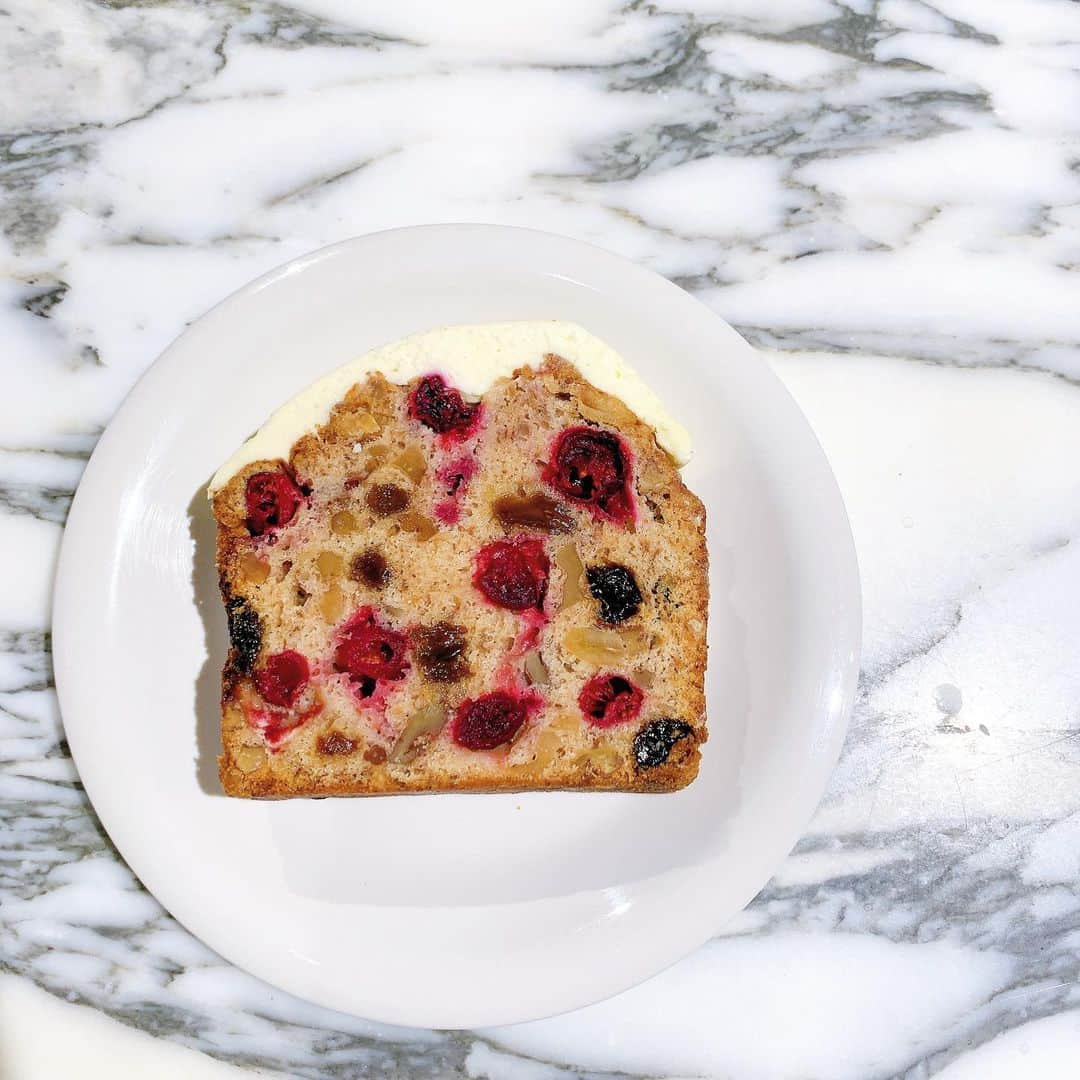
[{"x": 435, "y": 593}]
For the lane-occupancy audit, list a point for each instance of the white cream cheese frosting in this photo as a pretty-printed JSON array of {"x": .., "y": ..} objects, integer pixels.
[{"x": 472, "y": 358}]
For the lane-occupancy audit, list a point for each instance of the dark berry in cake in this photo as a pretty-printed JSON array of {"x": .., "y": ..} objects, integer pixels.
[
  {"x": 654, "y": 742},
  {"x": 245, "y": 633},
  {"x": 616, "y": 590}
]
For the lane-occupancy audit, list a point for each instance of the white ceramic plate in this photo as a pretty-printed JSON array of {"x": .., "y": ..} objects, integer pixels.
[{"x": 451, "y": 910}]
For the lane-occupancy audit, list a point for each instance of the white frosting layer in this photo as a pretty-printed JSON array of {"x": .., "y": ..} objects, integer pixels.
[{"x": 471, "y": 358}]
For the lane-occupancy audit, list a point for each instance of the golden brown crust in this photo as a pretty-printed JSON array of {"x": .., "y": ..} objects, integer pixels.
[{"x": 307, "y": 576}]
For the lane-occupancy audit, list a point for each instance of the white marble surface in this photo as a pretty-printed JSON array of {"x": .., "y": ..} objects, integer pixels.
[{"x": 885, "y": 194}]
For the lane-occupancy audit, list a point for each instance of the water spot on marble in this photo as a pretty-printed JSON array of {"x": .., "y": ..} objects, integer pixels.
[{"x": 949, "y": 699}]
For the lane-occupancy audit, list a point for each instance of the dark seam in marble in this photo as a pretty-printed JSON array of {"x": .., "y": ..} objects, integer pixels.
[
  {"x": 319, "y": 183},
  {"x": 43, "y": 503}
]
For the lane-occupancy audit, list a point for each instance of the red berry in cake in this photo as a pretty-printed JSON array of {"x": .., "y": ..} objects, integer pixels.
[
  {"x": 272, "y": 499},
  {"x": 614, "y": 586},
  {"x": 489, "y": 721},
  {"x": 283, "y": 678},
  {"x": 592, "y": 466},
  {"x": 447, "y": 512},
  {"x": 455, "y": 475},
  {"x": 514, "y": 573},
  {"x": 441, "y": 407},
  {"x": 370, "y": 653},
  {"x": 607, "y": 700}
]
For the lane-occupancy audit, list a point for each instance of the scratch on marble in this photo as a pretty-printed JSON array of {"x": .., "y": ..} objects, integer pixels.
[
  {"x": 319, "y": 183},
  {"x": 1068, "y": 737}
]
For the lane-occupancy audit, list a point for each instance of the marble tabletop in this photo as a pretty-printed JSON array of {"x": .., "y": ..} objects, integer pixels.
[{"x": 883, "y": 195}]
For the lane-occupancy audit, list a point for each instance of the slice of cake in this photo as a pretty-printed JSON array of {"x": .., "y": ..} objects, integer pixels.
[{"x": 429, "y": 591}]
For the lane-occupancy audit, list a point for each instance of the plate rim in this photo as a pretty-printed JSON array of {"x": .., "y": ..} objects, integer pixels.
[{"x": 65, "y": 587}]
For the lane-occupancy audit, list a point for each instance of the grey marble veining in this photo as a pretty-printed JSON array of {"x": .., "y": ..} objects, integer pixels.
[{"x": 884, "y": 193}]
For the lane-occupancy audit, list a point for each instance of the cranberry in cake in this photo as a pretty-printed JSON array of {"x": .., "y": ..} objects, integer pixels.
[{"x": 435, "y": 590}]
